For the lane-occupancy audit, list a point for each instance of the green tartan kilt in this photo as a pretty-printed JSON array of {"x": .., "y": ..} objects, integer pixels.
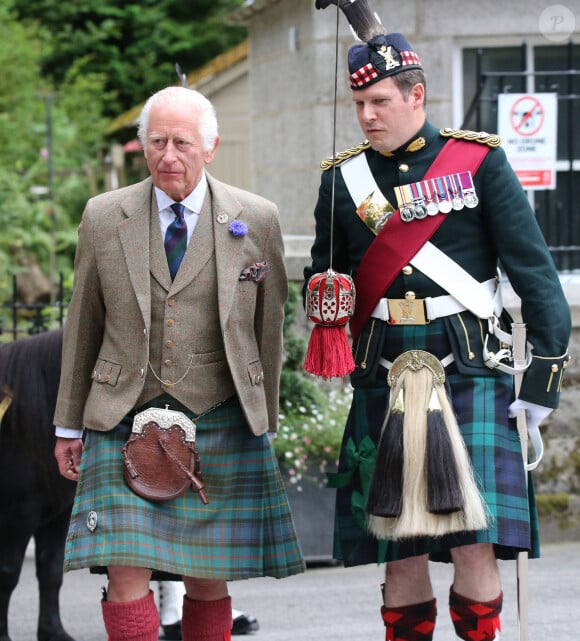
[
  {"x": 246, "y": 530},
  {"x": 481, "y": 406}
]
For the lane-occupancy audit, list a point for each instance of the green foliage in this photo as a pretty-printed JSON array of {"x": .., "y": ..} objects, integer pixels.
[
  {"x": 34, "y": 121},
  {"x": 20, "y": 84},
  {"x": 312, "y": 412},
  {"x": 556, "y": 507},
  {"x": 134, "y": 45},
  {"x": 555, "y": 467}
]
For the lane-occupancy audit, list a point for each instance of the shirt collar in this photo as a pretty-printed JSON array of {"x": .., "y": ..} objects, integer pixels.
[{"x": 193, "y": 202}]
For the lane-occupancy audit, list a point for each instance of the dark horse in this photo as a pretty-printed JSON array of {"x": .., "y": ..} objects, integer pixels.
[{"x": 35, "y": 501}]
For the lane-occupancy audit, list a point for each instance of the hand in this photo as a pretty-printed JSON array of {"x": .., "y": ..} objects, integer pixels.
[{"x": 68, "y": 452}]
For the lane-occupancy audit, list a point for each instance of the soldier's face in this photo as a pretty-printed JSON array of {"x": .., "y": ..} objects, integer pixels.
[{"x": 386, "y": 117}]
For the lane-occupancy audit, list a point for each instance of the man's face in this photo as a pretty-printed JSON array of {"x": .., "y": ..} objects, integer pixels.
[
  {"x": 174, "y": 150},
  {"x": 386, "y": 117}
]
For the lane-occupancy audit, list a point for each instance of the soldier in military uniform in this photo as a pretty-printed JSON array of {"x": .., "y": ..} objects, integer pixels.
[{"x": 485, "y": 220}]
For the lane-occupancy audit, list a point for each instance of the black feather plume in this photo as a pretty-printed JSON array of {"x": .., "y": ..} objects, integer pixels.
[{"x": 364, "y": 22}]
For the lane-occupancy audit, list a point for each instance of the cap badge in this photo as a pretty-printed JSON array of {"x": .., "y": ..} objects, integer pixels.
[{"x": 387, "y": 54}]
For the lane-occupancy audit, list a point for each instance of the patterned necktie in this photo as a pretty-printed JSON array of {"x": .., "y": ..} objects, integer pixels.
[{"x": 176, "y": 239}]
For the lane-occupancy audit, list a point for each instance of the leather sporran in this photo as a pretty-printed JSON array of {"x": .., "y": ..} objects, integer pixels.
[{"x": 161, "y": 458}]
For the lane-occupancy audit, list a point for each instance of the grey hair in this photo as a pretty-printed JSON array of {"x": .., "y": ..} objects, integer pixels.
[{"x": 207, "y": 124}]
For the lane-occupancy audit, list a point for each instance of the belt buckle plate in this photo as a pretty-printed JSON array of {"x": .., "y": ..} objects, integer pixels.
[{"x": 407, "y": 311}]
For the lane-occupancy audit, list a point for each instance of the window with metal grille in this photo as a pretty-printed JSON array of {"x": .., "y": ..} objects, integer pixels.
[{"x": 490, "y": 71}]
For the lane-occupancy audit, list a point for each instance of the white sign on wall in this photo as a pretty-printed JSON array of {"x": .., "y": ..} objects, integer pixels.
[{"x": 527, "y": 124}]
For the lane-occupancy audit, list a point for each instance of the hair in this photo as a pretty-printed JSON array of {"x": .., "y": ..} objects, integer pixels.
[
  {"x": 406, "y": 80},
  {"x": 207, "y": 124}
]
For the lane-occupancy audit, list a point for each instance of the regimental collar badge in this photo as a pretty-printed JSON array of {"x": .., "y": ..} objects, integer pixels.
[{"x": 415, "y": 145}]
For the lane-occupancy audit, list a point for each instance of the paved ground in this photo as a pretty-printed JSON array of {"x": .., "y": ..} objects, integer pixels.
[{"x": 331, "y": 603}]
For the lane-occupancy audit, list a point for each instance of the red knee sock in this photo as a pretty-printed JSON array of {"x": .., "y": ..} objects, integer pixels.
[
  {"x": 410, "y": 622},
  {"x": 131, "y": 620},
  {"x": 207, "y": 620},
  {"x": 474, "y": 621}
]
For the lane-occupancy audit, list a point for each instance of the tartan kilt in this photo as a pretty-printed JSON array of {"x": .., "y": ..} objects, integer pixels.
[
  {"x": 481, "y": 407},
  {"x": 245, "y": 531}
]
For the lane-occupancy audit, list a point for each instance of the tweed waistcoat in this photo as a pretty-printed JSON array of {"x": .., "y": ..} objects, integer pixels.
[{"x": 186, "y": 349}]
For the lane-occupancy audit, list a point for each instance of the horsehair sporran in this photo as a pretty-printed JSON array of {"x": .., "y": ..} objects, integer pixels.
[{"x": 415, "y": 519}]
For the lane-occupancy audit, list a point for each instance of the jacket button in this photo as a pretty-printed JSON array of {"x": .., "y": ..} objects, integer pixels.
[
  {"x": 407, "y": 270},
  {"x": 170, "y": 322},
  {"x": 168, "y": 363},
  {"x": 171, "y": 302},
  {"x": 403, "y": 167},
  {"x": 168, "y": 343}
]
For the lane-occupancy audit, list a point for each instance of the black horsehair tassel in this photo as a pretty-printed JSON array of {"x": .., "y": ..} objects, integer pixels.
[
  {"x": 364, "y": 22},
  {"x": 444, "y": 494},
  {"x": 386, "y": 490}
]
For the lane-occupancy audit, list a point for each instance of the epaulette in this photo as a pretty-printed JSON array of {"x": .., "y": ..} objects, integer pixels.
[
  {"x": 482, "y": 137},
  {"x": 327, "y": 163}
]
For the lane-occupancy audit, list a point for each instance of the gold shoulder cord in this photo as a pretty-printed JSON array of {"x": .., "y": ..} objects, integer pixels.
[
  {"x": 482, "y": 137},
  {"x": 328, "y": 163}
]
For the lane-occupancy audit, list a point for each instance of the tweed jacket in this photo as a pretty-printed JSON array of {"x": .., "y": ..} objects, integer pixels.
[
  {"x": 502, "y": 229},
  {"x": 124, "y": 305}
]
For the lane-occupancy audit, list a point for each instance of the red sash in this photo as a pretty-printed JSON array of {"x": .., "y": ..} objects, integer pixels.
[{"x": 394, "y": 246}]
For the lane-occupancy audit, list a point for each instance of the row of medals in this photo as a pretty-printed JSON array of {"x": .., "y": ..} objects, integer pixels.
[{"x": 436, "y": 195}]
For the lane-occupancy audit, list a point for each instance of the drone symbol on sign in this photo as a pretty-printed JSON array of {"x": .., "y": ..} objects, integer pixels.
[{"x": 527, "y": 116}]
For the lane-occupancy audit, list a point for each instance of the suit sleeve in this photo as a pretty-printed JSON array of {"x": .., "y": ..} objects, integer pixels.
[{"x": 83, "y": 331}]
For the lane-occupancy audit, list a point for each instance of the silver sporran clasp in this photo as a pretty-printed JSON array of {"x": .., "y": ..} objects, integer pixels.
[{"x": 165, "y": 419}]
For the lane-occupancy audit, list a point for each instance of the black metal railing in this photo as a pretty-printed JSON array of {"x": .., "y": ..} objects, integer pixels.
[
  {"x": 18, "y": 319},
  {"x": 557, "y": 211}
]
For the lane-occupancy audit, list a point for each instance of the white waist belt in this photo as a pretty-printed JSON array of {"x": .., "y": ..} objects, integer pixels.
[{"x": 435, "y": 307}]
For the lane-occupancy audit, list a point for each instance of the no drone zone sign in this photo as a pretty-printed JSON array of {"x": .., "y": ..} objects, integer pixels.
[{"x": 527, "y": 124}]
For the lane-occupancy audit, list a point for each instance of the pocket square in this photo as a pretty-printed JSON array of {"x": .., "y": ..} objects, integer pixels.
[{"x": 256, "y": 272}]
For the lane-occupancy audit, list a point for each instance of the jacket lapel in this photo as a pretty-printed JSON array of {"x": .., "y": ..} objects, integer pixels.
[
  {"x": 158, "y": 259},
  {"x": 229, "y": 250},
  {"x": 134, "y": 237}
]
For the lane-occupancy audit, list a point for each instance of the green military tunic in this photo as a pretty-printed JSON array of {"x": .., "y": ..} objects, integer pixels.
[{"x": 501, "y": 229}]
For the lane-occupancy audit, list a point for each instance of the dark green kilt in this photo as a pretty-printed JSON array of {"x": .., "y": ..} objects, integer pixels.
[
  {"x": 245, "y": 531},
  {"x": 481, "y": 406}
]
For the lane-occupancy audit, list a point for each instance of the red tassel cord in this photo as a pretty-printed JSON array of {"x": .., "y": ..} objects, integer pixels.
[{"x": 329, "y": 354}]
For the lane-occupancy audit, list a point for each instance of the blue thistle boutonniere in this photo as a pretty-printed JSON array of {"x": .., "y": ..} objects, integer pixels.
[{"x": 238, "y": 228}]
